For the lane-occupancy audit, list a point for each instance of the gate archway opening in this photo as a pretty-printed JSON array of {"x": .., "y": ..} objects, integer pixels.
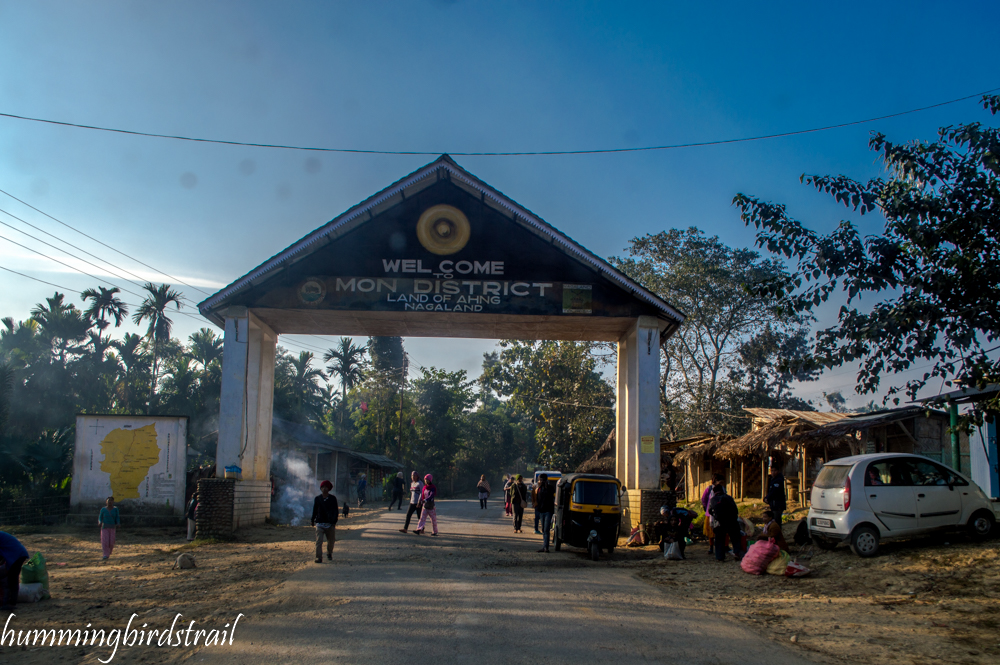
[{"x": 439, "y": 253}]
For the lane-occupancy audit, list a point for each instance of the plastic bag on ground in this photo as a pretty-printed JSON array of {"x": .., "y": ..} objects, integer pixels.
[
  {"x": 34, "y": 570},
  {"x": 796, "y": 569},
  {"x": 30, "y": 593},
  {"x": 758, "y": 556},
  {"x": 780, "y": 563},
  {"x": 673, "y": 552}
]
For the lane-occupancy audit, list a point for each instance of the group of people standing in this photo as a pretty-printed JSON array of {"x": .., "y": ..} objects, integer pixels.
[
  {"x": 722, "y": 515},
  {"x": 542, "y": 498}
]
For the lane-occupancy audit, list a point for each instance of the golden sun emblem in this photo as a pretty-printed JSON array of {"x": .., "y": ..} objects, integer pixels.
[{"x": 443, "y": 229}]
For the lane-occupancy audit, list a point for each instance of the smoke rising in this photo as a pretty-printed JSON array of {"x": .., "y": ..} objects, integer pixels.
[{"x": 296, "y": 489}]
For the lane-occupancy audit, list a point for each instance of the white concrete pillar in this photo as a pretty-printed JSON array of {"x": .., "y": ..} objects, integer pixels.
[
  {"x": 247, "y": 396},
  {"x": 621, "y": 415},
  {"x": 638, "y": 449}
]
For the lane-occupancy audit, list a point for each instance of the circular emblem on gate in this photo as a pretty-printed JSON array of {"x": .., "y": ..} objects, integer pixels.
[
  {"x": 312, "y": 291},
  {"x": 443, "y": 229}
]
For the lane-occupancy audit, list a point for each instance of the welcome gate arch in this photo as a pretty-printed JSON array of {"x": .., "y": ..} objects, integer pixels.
[{"x": 437, "y": 254}]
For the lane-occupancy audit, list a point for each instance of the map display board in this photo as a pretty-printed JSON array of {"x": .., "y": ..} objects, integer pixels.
[{"x": 139, "y": 460}]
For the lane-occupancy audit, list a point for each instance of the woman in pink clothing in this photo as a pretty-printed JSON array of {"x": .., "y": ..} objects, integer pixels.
[{"x": 427, "y": 497}]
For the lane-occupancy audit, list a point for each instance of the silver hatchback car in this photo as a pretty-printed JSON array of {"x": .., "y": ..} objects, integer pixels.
[{"x": 867, "y": 498}]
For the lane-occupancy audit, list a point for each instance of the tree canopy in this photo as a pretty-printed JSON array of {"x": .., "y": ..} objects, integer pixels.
[{"x": 923, "y": 293}]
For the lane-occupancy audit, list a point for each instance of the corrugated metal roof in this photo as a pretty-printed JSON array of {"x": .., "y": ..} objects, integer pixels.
[{"x": 818, "y": 418}]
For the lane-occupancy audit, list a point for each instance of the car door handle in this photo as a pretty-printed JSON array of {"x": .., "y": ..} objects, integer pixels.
[
  {"x": 920, "y": 496},
  {"x": 872, "y": 496}
]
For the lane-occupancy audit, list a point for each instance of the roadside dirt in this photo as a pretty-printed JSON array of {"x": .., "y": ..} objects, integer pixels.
[
  {"x": 138, "y": 578},
  {"x": 917, "y": 602},
  {"x": 922, "y": 601}
]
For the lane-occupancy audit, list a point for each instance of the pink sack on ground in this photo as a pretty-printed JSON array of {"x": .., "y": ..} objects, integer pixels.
[{"x": 758, "y": 556}]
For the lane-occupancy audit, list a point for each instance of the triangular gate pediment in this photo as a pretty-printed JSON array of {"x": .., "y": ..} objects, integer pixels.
[{"x": 441, "y": 254}]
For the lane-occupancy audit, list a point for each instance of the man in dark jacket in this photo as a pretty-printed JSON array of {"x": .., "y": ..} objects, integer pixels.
[
  {"x": 324, "y": 518},
  {"x": 546, "y": 508},
  {"x": 397, "y": 491},
  {"x": 725, "y": 516},
  {"x": 775, "y": 497}
]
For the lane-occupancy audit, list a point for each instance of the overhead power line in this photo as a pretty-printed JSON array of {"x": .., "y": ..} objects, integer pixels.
[
  {"x": 592, "y": 151},
  {"x": 90, "y": 237}
]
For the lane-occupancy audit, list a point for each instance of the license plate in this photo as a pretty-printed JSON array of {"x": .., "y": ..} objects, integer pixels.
[{"x": 827, "y": 523}]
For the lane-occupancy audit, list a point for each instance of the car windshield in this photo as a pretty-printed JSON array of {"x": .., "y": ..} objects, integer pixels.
[
  {"x": 832, "y": 476},
  {"x": 595, "y": 493}
]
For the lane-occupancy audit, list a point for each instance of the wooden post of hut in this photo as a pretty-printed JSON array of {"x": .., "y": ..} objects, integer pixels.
[{"x": 741, "y": 479}]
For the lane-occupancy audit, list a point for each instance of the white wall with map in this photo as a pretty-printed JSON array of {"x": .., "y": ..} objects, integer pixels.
[{"x": 140, "y": 460}]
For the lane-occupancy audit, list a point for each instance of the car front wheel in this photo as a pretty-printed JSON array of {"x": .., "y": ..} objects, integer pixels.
[
  {"x": 981, "y": 525},
  {"x": 864, "y": 541}
]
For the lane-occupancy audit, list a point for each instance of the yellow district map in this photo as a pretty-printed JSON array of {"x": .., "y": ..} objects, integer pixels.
[{"x": 128, "y": 456}]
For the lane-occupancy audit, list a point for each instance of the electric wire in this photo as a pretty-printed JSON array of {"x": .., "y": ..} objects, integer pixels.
[
  {"x": 592, "y": 151},
  {"x": 59, "y": 221},
  {"x": 90, "y": 237}
]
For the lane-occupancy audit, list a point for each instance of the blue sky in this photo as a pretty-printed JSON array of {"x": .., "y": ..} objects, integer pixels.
[{"x": 448, "y": 77}]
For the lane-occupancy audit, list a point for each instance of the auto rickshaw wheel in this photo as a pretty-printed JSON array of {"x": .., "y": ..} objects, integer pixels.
[
  {"x": 558, "y": 544},
  {"x": 611, "y": 550},
  {"x": 595, "y": 550}
]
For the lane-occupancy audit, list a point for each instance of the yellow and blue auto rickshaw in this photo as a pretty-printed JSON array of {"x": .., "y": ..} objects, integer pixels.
[{"x": 588, "y": 512}]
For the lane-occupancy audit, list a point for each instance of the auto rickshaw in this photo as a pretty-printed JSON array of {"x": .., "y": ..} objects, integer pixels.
[{"x": 588, "y": 512}]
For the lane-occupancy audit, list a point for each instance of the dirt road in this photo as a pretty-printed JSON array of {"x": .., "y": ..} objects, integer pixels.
[{"x": 479, "y": 594}]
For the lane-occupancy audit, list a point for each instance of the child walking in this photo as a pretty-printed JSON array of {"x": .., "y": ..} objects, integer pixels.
[{"x": 109, "y": 521}]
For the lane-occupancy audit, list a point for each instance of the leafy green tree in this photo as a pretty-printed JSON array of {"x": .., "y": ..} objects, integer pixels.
[
  {"x": 556, "y": 385},
  {"x": 441, "y": 399},
  {"x": 154, "y": 310},
  {"x": 712, "y": 284},
  {"x": 930, "y": 282}
]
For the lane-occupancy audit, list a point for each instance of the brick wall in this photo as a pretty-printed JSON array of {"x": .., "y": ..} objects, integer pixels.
[
  {"x": 214, "y": 518},
  {"x": 643, "y": 506},
  {"x": 251, "y": 503}
]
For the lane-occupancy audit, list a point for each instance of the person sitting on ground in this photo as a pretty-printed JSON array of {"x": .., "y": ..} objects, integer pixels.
[
  {"x": 12, "y": 557},
  {"x": 324, "y": 518},
  {"x": 772, "y": 529}
]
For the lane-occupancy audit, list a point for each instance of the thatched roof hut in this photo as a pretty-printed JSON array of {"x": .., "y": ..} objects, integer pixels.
[{"x": 602, "y": 461}]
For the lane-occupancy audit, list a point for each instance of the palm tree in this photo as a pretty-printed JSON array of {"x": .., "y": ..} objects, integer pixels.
[
  {"x": 205, "y": 348},
  {"x": 305, "y": 382},
  {"x": 347, "y": 363},
  {"x": 154, "y": 308},
  {"x": 61, "y": 324},
  {"x": 103, "y": 304},
  {"x": 134, "y": 358}
]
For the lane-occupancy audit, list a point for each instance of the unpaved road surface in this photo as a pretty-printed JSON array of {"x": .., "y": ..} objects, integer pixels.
[{"x": 479, "y": 594}]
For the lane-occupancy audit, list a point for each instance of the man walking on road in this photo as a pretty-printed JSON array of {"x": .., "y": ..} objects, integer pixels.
[
  {"x": 519, "y": 501},
  {"x": 546, "y": 507},
  {"x": 324, "y": 518},
  {"x": 397, "y": 491},
  {"x": 416, "y": 487}
]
